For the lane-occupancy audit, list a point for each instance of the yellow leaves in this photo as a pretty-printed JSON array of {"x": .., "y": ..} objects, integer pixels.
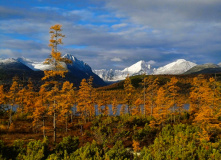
[
  {"x": 12, "y": 127},
  {"x": 211, "y": 80},
  {"x": 49, "y": 74},
  {"x": 56, "y": 56},
  {"x": 122, "y": 110},
  {"x": 172, "y": 88},
  {"x": 114, "y": 106},
  {"x": 129, "y": 91},
  {"x": 55, "y": 60},
  {"x": 55, "y": 40},
  {"x": 67, "y": 86},
  {"x": 60, "y": 35},
  {"x": 138, "y": 102},
  {"x": 3, "y": 127},
  {"x": 161, "y": 109},
  {"x": 205, "y": 104},
  {"x": 66, "y": 100},
  {"x": 52, "y": 41},
  {"x": 137, "y": 109},
  {"x": 56, "y": 27},
  {"x": 59, "y": 41},
  {"x": 45, "y": 128},
  {"x": 204, "y": 136},
  {"x": 51, "y": 45},
  {"x": 152, "y": 124},
  {"x": 2, "y": 94},
  {"x": 86, "y": 99},
  {"x": 128, "y": 87},
  {"x": 12, "y": 94},
  {"x": 136, "y": 146}
]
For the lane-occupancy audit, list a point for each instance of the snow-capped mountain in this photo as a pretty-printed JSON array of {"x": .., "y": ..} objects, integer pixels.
[
  {"x": 180, "y": 66},
  {"x": 78, "y": 63},
  {"x": 7, "y": 61},
  {"x": 35, "y": 66},
  {"x": 138, "y": 68},
  {"x": 77, "y": 70},
  {"x": 41, "y": 66},
  {"x": 12, "y": 64}
]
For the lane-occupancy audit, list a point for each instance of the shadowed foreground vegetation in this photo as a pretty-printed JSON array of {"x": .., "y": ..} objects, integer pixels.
[{"x": 119, "y": 137}]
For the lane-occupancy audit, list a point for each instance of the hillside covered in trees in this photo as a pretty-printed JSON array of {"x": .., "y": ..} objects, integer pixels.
[{"x": 62, "y": 122}]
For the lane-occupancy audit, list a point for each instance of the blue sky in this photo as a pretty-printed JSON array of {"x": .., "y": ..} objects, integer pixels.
[{"x": 114, "y": 33}]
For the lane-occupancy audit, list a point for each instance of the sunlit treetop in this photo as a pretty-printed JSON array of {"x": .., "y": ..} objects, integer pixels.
[{"x": 55, "y": 59}]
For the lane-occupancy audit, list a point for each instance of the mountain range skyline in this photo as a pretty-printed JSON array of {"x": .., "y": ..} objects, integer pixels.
[
  {"x": 79, "y": 67},
  {"x": 29, "y": 60},
  {"x": 114, "y": 34}
]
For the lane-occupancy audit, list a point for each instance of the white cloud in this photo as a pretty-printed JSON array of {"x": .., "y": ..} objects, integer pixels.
[
  {"x": 151, "y": 62},
  {"x": 116, "y": 26},
  {"x": 115, "y": 59},
  {"x": 7, "y": 53}
]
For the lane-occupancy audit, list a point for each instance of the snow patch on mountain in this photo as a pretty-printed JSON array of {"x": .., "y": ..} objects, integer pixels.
[
  {"x": 180, "y": 66},
  {"x": 78, "y": 63},
  {"x": 41, "y": 66},
  {"x": 35, "y": 66},
  {"x": 7, "y": 61},
  {"x": 138, "y": 68}
]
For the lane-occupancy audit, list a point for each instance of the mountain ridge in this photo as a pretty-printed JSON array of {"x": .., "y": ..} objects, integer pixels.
[
  {"x": 177, "y": 67},
  {"x": 78, "y": 70},
  {"x": 204, "y": 68},
  {"x": 137, "y": 68}
]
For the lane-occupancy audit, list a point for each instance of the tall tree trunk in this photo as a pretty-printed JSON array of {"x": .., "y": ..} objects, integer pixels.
[
  {"x": 10, "y": 116},
  {"x": 144, "y": 99},
  {"x": 151, "y": 112},
  {"x": 174, "y": 118},
  {"x": 54, "y": 123},
  {"x": 44, "y": 127},
  {"x": 66, "y": 122}
]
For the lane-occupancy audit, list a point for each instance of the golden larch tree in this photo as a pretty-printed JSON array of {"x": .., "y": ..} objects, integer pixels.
[
  {"x": 172, "y": 95},
  {"x": 199, "y": 86},
  {"x": 207, "y": 115},
  {"x": 137, "y": 109},
  {"x": 12, "y": 97},
  {"x": 29, "y": 98},
  {"x": 114, "y": 106},
  {"x": 83, "y": 99},
  {"x": 161, "y": 110},
  {"x": 56, "y": 61},
  {"x": 151, "y": 92},
  {"x": 21, "y": 98},
  {"x": 41, "y": 108},
  {"x": 58, "y": 68},
  {"x": 3, "y": 98},
  {"x": 92, "y": 99},
  {"x": 129, "y": 93},
  {"x": 67, "y": 102}
]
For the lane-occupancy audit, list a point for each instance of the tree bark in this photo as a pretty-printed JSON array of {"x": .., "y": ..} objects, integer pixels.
[{"x": 54, "y": 123}]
